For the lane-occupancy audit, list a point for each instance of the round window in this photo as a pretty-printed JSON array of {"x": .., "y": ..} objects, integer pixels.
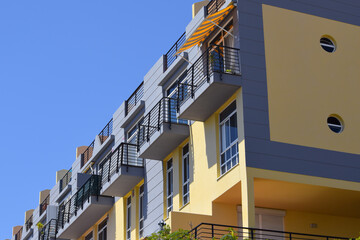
[
  {"x": 335, "y": 124},
  {"x": 327, "y": 44}
]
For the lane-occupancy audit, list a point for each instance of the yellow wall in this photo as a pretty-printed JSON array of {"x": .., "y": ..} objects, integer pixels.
[
  {"x": 205, "y": 182},
  {"x": 326, "y": 224},
  {"x": 307, "y": 84}
]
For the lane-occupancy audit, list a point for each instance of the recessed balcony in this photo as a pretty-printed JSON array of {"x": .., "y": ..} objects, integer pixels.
[
  {"x": 161, "y": 131},
  {"x": 121, "y": 170},
  {"x": 210, "y": 81},
  {"x": 82, "y": 210}
]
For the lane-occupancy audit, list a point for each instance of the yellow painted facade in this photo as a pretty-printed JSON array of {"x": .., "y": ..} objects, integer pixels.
[{"x": 303, "y": 91}]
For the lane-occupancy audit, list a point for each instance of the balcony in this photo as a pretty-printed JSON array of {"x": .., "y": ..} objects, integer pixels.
[
  {"x": 210, "y": 81},
  {"x": 103, "y": 135},
  {"x": 44, "y": 204},
  {"x": 121, "y": 170},
  {"x": 48, "y": 231},
  {"x": 170, "y": 56},
  {"x": 134, "y": 99},
  {"x": 18, "y": 234},
  {"x": 217, "y": 231},
  {"x": 64, "y": 181},
  {"x": 214, "y": 6},
  {"x": 161, "y": 131},
  {"x": 82, "y": 210},
  {"x": 27, "y": 230}
]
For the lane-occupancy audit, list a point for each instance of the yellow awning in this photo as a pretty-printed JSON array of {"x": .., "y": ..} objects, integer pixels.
[{"x": 205, "y": 28}]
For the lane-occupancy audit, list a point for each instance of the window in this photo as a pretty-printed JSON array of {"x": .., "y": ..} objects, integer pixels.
[
  {"x": 173, "y": 93},
  {"x": 169, "y": 186},
  {"x": 185, "y": 174},
  {"x": 89, "y": 236},
  {"x": 128, "y": 218},
  {"x": 335, "y": 124},
  {"x": 229, "y": 156},
  {"x": 102, "y": 230},
  {"x": 141, "y": 210},
  {"x": 132, "y": 133},
  {"x": 327, "y": 44}
]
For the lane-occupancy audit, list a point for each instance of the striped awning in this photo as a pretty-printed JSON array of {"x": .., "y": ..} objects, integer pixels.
[{"x": 205, "y": 28}]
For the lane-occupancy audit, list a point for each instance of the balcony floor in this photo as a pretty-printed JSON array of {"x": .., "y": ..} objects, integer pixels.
[
  {"x": 209, "y": 97},
  {"x": 86, "y": 217},
  {"x": 163, "y": 142},
  {"x": 122, "y": 182}
]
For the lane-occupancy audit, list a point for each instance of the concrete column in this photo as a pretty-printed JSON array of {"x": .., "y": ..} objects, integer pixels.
[{"x": 248, "y": 202}]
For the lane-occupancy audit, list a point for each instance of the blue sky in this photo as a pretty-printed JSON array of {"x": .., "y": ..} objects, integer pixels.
[{"x": 65, "y": 67}]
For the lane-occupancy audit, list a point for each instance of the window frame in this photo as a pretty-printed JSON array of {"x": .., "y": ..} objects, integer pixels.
[
  {"x": 185, "y": 182},
  {"x": 169, "y": 196},
  {"x": 128, "y": 218},
  {"x": 141, "y": 210},
  {"x": 102, "y": 230},
  {"x": 233, "y": 143}
]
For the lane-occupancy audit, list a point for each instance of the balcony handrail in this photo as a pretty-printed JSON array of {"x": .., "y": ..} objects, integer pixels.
[
  {"x": 44, "y": 204},
  {"x": 219, "y": 59},
  {"x": 124, "y": 155},
  {"x": 66, "y": 211},
  {"x": 49, "y": 230},
  {"x": 106, "y": 131},
  {"x": 211, "y": 231},
  {"x": 171, "y": 56},
  {"x": 18, "y": 234},
  {"x": 103, "y": 135},
  {"x": 163, "y": 112},
  {"x": 213, "y": 6},
  {"x": 64, "y": 181},
  {"x": 29, "y": 223},
  {"x": 135, "y": 97}
]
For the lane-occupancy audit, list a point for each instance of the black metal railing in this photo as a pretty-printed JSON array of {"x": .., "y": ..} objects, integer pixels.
[
  {"x": 18, "y": 234},
  {"x": 29, "y": 223},
  {"x": 163, "y": 112},
  {"x": 220, "y": 59},
  {"x": 44, "y": 204},
  {"x": 214, "y": 6},
  {"x": 217, "y": 231},
  {"x": 124, "y": 155},
  {"x": 106, "y": 132},
  {"x": 66, "y": 211},
  {"x": 103, "y": 135},
  {"x": 64, "y": 181},
  {"x": 49, "y": 230},
  {"x": 131, "y": 102},
  {"x": 170, "y": 56}
]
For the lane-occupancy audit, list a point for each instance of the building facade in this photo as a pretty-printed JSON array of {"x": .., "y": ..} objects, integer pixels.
[{"x": 248, "y": 121}]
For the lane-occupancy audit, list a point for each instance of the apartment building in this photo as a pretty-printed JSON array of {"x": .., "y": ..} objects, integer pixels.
[{"x": 248, "y": 121}]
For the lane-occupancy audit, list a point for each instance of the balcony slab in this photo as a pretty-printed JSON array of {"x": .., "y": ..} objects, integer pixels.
[{"x": 210, "y": 96}]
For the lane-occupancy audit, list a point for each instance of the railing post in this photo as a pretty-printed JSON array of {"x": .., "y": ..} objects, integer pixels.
[
  {"x": 159, "y": 115},
  {"x": 219, "y": 58},
  {"x": 127, "y": 155},
  {"x": 196, "y": 233},
  {"x": 148, "y": 127},
  {"x": 212, "y": 230},
  {"x": 169, "y": 111},
  {"x": 207, "y": 65},
  {"x": 126, "y": 107},
  {"x": 290, "y": 236},
  {"x": 192, "y": 81},
  {"x": 109, "y": 170},
  {"x": 117, "y": 159},
  {"x": 179, "y": 91},
  {"x": 138, "y": 139},
  {"x": 252, "y": 234}
]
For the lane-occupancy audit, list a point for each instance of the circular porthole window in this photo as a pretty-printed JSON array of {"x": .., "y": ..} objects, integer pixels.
[
  {"x": 327, "y": 44},
  {"x": 335, "y": 124}
]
